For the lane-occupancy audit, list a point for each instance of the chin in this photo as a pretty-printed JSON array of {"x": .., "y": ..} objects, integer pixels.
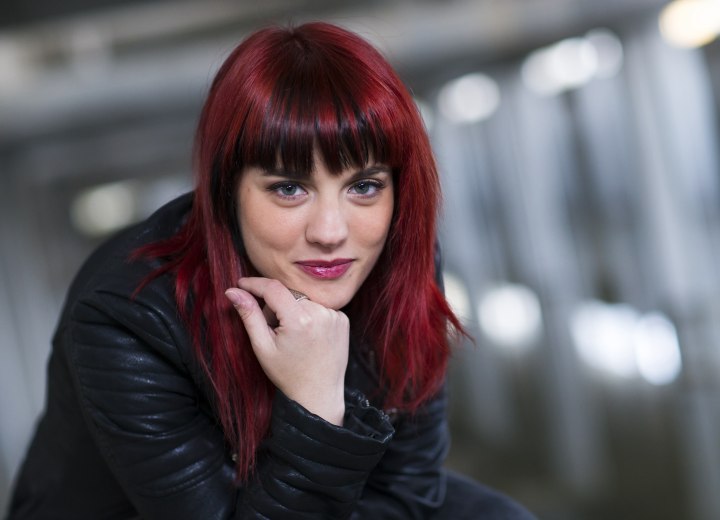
[
  {"x": 330, "y": 300},
  {"x": 333, "y": 303}
]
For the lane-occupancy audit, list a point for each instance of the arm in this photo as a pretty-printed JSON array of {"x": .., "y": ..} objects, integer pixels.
[
  {"x": 143, "y": 403},
  {"x": 316, "y": 467},
  {"x": 409, "y": 482}
]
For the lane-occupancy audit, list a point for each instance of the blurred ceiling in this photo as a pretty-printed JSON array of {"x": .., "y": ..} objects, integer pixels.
[
  {"x": 21, "y": 12},
  {"x": 503, "y": 21},
  {"x": 74, "y": 56}
]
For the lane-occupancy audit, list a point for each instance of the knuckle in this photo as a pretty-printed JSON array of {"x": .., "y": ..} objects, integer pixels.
[
  {"x": 275, "y": 285},
  {"x": 342, "y": 318},
  {"x": 243, "y": 312},
  {"x": 305, "y": 320}
]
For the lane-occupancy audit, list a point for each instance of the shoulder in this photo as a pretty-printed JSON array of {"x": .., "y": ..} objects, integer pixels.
[
  {"x": 103, "y": 303},
  {"x": 110, "y": 264}
]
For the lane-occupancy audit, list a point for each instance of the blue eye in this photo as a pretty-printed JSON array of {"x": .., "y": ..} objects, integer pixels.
[
  {"x": 367, "y": 188},
  {"x": 287, "y": 190},
  {"x": 363, "y": 188}
]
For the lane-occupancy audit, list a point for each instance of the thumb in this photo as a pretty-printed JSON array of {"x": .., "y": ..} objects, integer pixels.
[{"x": 252, "y": 317}]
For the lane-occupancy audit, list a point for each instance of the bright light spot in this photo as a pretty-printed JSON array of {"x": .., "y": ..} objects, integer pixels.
[
  {"x": 510, "y": 316},
  {"x": 104, "y": 209},
  {"x": 609, "y": 51},
  {"x": 690, "y": 23},
  {"x": 603, "y": 336},
  {"x": 457, "y": 296},
  {"x": 618, "y": 340},
  {"x": 470, "y": 98},
  {"x": 657, "y": 350},
  {"x": 573, "y": 61},
  {"x": 562, "y": 66}
]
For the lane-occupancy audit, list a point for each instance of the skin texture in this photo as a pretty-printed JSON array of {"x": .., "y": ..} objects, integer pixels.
[{"x": 303, "y": 345}]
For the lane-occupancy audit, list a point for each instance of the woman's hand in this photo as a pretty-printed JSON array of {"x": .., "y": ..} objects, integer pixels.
[{"x": 306, "y": 353}]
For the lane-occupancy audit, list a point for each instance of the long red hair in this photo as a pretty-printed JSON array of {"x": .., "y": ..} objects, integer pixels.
[{"x": 281, "y": 93}]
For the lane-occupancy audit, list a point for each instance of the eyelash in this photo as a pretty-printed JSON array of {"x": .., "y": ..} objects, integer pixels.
[
  {"x": 275, "y": 188},
  {"x": 373, "y": 183}
]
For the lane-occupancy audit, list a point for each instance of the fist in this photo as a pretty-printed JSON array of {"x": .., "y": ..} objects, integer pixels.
[{"x": 301, "y": 345}]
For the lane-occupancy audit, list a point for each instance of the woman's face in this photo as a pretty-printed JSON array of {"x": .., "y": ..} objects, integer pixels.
[{"x": 320, "y": 235}]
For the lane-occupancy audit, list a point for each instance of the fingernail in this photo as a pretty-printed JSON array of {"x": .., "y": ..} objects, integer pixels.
[{"x": 235, "y": 298}]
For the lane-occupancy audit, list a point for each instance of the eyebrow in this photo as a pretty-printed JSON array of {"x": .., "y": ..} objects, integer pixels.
[{"x": 363, "y": 172}]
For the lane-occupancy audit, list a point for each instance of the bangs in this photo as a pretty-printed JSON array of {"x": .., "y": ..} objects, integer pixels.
[{"x": 314, "y": 106}]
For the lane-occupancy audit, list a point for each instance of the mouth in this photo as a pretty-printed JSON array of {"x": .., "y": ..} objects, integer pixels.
[{"x": 324, "y": 269}]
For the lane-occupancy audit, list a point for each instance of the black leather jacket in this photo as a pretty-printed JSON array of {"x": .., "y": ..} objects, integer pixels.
[{"x": 129, "y": 429}]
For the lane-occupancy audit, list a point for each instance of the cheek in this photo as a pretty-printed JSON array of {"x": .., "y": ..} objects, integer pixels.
[
  {"x": 260, "y": 227},
  {"x": 264, "y": 229},
  {"x": 372, "y": 232}
]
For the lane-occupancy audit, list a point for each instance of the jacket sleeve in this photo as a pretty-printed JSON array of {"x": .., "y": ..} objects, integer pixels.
[
  {"x": 141, "y": 401},
  {"x": 312, "y": 469},
  {"x": 409, "y": 482}
]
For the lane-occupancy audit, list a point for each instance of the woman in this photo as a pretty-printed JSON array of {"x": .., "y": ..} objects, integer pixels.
[{"x": 273, "y": 345}]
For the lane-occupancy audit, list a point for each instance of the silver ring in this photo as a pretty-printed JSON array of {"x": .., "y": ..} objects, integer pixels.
[{"x": 298, "y": 295}]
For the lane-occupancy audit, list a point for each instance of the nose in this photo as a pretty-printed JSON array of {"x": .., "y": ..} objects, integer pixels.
[{"x": 327, "y": 224}]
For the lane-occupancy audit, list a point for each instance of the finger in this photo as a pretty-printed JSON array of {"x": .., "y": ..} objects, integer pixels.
[
  {"x": 270, "y": 317},
  {"x": 277, "y": 297},
  {"x": 252, "y": 317}
]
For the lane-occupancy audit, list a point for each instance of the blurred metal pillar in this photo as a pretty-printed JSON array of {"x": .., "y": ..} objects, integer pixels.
[
  {"x": 680, "y": 215},
  {"x": 536, "y": 166},
  {"x": 505, "y": 216},
  {"x": 470, "y": 249}
]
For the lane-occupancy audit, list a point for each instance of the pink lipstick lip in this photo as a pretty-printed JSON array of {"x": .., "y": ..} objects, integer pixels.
[
  {"x": 325, "y": 263},
  {"x": 324, "y": 269}
]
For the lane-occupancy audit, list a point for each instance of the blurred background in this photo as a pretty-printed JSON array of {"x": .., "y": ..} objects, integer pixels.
[{"x": 577, "y": 142}]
